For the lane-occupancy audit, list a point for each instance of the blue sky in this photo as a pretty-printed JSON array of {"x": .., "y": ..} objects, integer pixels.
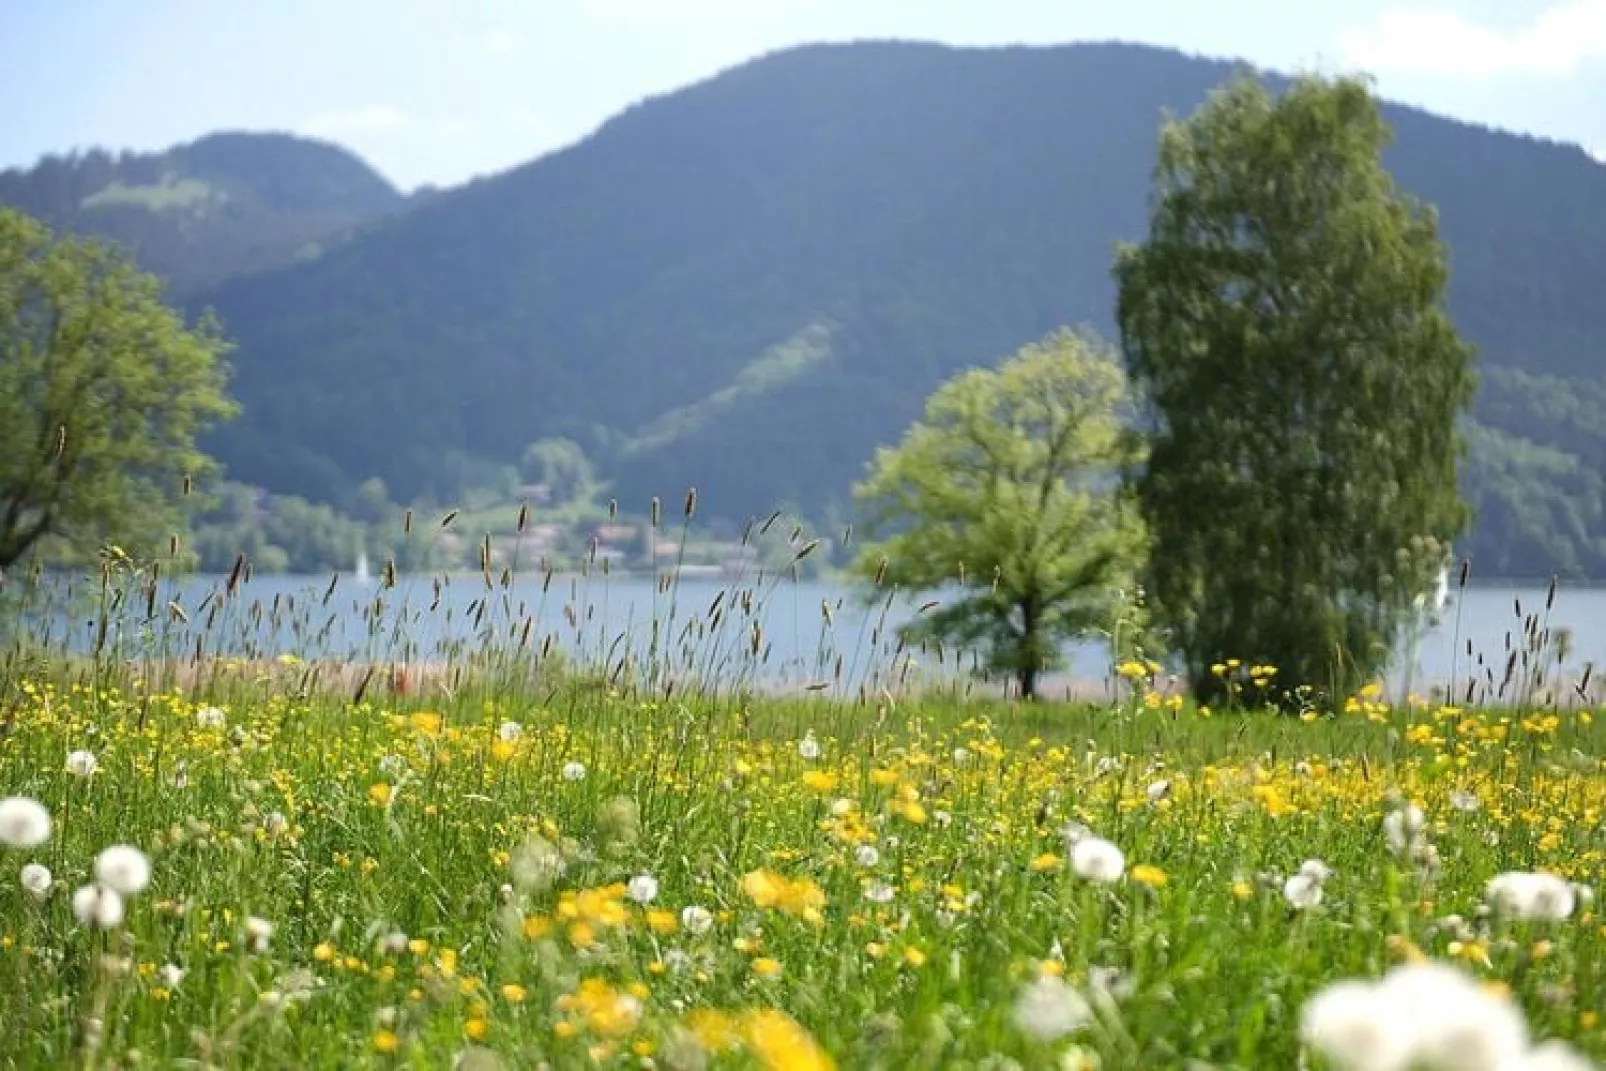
[{"x": 435, "y": 91}]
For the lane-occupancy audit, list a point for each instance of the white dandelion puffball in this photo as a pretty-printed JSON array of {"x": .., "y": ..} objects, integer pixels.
[
  {"x": 809, "y": 747},
  {"x": 24, "y": 823},
  {"x": 1351, "y": 1025},
  {"x": 1302, "y": 891},
  {"x": 1157, "y": 791},
  {"x": 696, "y": 920},
  {"x": 171, "y": 974},
  {"x": 574, "y": 771},
  {"x": 1458, "y": 1024},
  {"x": 81, "y": 763},
  {"x": 866, "y": 855},
  {"x": 1402, "y": 828},
  {"x": 1531, "y": 895},
  {"x": 123, "y": 868},
  {"x": 36, "y": 881},
  {"x": 509, "y": 731},
  {"x": 879, "y": 892},
  {"x": 1096, "y": 859},
  {"x": 643, "y": 888},
  {"x": 258, "y": 932},
  {"x": 96, "y": 905},
  {"x": 211, "y": 718},
  {"x": 1426, "y": 1015},
  {"x": 1048, "y": 1009}
]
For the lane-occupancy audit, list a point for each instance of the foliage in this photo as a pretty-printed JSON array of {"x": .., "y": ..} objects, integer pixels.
[
  {"x": 1006, "y": 489},
  {"x": 103, "y": 391},
  {"x": 219, "y": 206},
  {"x": 1283, "y": 319}
]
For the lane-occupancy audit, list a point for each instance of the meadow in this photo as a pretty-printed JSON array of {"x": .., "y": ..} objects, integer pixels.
[{"x": 248, "y": 865}]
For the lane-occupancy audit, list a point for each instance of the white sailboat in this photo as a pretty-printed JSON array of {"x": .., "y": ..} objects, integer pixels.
[{"x": 364, "y": 578}]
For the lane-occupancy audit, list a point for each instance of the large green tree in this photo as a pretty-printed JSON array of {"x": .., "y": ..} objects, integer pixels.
[
  {"x": 1007, "y": 492},
  {"x": 1284, "y": 322},
  {"x": 103, "y": 390}
]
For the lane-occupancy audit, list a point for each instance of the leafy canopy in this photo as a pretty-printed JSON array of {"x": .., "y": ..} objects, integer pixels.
[
  {"x": 1284, "y": 320},
  {"x": 1007, "y": 489},
  {"x": 103, "y": 391}
]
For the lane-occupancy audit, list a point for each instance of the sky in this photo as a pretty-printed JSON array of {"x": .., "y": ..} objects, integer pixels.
[{"x": 438, "y": 91}]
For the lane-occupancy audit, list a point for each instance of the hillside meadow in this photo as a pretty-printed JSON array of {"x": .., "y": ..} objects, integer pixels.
[{"x": 245, "y": 868}]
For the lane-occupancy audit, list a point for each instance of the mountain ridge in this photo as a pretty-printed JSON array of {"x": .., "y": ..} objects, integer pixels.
[
  {"x": 932, "y": 208},
  {"x": 224, "y": 204}
]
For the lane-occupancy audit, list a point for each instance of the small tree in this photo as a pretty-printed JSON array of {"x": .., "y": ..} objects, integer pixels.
[
  {"x": 1008, "y": 490},
  {"x": 1284, "y": 320},
  {"x": 103, "y": 391}
]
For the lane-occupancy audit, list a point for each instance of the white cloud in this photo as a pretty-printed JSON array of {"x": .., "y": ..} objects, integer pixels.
[
  {"x": 1437, "y": 41},
  {"x": 1596, "y": 153},
  {"x": 354, "y": 121}
]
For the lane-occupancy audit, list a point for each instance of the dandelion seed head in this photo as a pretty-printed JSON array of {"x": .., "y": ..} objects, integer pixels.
[
  {"x": 24, "y": 822},
  {"x": 96, "y": 905},
  {"x": 123, "y": 868},
  {"x": 1096, "y": 859}
]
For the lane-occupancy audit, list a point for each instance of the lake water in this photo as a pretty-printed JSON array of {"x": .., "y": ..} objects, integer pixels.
[{"x": 775, "y": 631}]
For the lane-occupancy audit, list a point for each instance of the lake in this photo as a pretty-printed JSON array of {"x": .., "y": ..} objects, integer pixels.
[{"x": 777, "y": 631}]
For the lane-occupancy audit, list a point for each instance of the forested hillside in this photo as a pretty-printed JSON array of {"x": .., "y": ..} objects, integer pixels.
[
  {"x": 749, "y": 284},
  {"x": 216, "y": 207}
]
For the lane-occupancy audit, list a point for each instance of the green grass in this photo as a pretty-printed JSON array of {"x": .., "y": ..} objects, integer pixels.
[
  {"x": 166, "y": 196},
  {"x": 343, "y": 823}
]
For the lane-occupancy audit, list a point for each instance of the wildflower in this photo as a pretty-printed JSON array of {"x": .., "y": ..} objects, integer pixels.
[
  {"x": 1304, "y": 889},
  {"x": 766, "y": 967},
  {"x": 1532, "y": 895},
  {"x": 386, "y": 1041},
  {"x": 36, "y": 881},
  {"x": 808, "y": 747},
  {"x": 171, "y": 975},
  {"x": 258, "y": 932},
  {"x": 24, "y": 823},
  {"x": 780, "y": 1043},
  {"x": 1096, "y": 859},
  {"x": 879, "y": 892},
  {"x": 1157, "y": 791},
  {"x": 1464, "y": 801},
  {"x": 211, "y": 718},
  {"x": 866, "y": 855},
  {"x": 1151, "y": 876},
  {"x": 574, "y": 771},
  {"x": 643, "y": 888},
  {"x": 1403, "y": 828},
  {"x": 1048, "y": 1009},
  {"x": 81, "y": 763},
  {"x": 1356, "y": 1028},
  {"x": 696, "y": 920},
  {"x": 1456, "y": 1023},
  {"x": 509, "y": 732},
  {"x": 124, "y": 869},
  {"x": 98, "y": 906}
]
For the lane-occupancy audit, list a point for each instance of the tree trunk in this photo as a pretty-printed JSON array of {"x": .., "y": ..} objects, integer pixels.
[{"x": 1028, "y": 643}]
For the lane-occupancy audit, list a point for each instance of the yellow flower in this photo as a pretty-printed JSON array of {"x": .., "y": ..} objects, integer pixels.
[
  {"x": 765, "y": 967},
  {"x": 780, "y": 1044},
  {"x": 715, "y": 1031},
  {"x": 1243, "y": 890},
  {"x": 820, "y": 780},
  {"x": 386, "y": 1041},
  {"x": 476, "y": 1029},
  {"x": 425, "y": 723},
  {"x": 379, "y": 792},
  {"x": 914, "y": 957},
  {"x": 324, "y": 952},
  {"x": 1145, "y": 874},
  {"x": 1046, "y": 861},
  {"x": 514, "y": 993}
]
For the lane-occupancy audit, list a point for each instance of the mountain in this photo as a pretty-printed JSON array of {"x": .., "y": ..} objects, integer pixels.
[
  {"x": 748, "y": 284},
  {"x": 199, "y": 213}
]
